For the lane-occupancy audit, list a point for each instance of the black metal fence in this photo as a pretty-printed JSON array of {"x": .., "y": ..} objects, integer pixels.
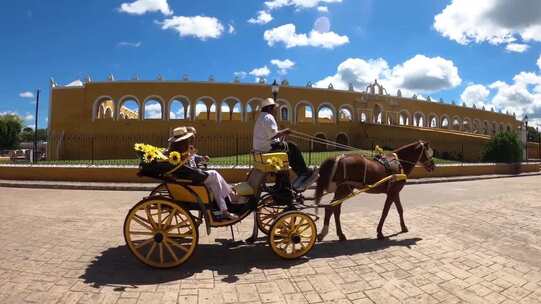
[{"x": 227, "y": 151}]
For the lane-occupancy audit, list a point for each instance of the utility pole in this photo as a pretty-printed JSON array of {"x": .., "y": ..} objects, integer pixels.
[{"x": 35, "y": 150}]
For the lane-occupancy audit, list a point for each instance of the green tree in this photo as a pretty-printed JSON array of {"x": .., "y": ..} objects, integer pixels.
[
  {"x": 10, "y": 127},
  {"x": 27, "y": 134},
  {"x": 505, "y": 147},
  {"x": 533, "y": 135}
]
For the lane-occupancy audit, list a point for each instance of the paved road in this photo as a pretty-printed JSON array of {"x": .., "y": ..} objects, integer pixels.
[{"x": 473, "y": 242}]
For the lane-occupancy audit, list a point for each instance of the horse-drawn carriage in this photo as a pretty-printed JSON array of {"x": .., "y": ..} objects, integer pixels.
[{"x": 162, "y": 230}]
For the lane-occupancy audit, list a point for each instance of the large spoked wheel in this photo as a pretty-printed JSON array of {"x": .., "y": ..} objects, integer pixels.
[
  {"x": 292, "y": 235},
  {"x": 267, "y": 211},
  {"x": 160, "y": 233},
  {"x": 160, "y": 190}
]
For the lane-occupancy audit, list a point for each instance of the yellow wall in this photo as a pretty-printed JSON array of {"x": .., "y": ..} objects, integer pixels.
[{"x": 75, "y": 133}]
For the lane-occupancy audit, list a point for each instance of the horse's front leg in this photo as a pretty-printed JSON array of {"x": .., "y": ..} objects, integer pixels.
[
  {"x": 326, "y": 220},
  {"x": 339, "y": 232},
  {"x": 384, "y": 213},
  {"x": 400, "y": 210}
]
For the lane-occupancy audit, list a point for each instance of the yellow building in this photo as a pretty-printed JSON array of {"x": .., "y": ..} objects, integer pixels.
[{"x": 102, "y": 120}]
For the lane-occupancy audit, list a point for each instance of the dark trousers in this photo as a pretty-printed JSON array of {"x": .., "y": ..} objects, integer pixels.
[{"x": 296, "y": 161}]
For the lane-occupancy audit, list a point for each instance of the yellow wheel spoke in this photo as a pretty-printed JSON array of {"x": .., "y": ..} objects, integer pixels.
[
  {"x": 170, "y": 217},
  {"x": 143, "y": 243},
  {"x": 150, "y": 219},
  {"x": 179, "y": 246},
  {"x": 159, "y": 215},
  {"x": 142, "y": 221},
  {"x": 161, "y": 252},
  {"x": 181, "y": 225},
  {"x": 149, "y": 253},
  {"x": 141, "y": 233},
  {"x": 171, "y": 251}
]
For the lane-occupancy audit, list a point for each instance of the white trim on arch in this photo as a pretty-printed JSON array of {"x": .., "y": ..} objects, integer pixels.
[
  {"x": 98, "y": 101},
  {"x": 254, "y": 107},
  {"x": 304, "y": 102},
  {"x": 179, "y": 98},
  {"x": 429, "y": 120}
]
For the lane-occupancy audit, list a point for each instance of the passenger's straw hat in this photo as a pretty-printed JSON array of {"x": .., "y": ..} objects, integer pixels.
[
  {"x": 181, "y": 133},
  {"x": 267, "y": 102}
]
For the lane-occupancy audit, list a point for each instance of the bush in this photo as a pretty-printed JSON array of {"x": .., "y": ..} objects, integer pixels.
[{"x": 503, "y": 148}]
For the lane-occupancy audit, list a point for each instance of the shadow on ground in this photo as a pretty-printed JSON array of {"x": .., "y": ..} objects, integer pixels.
[{"x": 118, "y": 267}]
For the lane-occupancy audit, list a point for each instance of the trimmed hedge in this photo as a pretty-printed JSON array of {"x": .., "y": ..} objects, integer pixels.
[{"x": 505, "y": 147}]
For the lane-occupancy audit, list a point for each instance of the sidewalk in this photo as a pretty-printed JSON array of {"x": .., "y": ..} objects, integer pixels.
[{"x": 149, "y": 186}]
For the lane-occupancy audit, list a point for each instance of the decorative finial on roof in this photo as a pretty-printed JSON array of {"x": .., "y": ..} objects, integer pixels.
[
  {"x": 428, "y": 98},
  {"x": 399, "y": 93},
  {"x": 414, "y": 96},
  {"x": 309, "y": 84},
  {"x": 52, "y": 82},
  {"x": 351, "y": 87},
  {"x": 211, "y": 78},
  {"x": 331, "y": 87},
  {"x": 236, "y": 79},
  {"x": 185, "y": 77},
  {"x": 135, "y": 77},
  {"x": 284, "y": 83},
  {"x": 160, "y": 77},
  {"x": 110, "y": 77},
  {"x": 87, "y": 79},
  {"x": 262, "y": 80}
]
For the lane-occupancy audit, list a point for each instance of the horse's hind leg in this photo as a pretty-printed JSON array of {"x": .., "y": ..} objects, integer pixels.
[
  {"x": 339, "y": 232},
  {"x": 326, "y": 220},
  {"x": 384, "y": 213},
  {"x": 398, "y": 205}
]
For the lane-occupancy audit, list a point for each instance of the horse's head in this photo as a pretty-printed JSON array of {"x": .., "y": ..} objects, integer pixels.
[{"x": 425, "y": 155}]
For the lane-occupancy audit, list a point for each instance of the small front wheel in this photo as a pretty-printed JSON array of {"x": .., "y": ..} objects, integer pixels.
[
  {"x": 267, "y": 211},
  {"x": 160, "y": 233},
  {"x": 292, "y": 235}
]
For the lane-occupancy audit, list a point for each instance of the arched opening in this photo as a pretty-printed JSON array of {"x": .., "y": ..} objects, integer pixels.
[
  {"x": 501, "y": 128},
  {"x": 205, "y": 109},
  {"x": 284, "y": 113},
  {"x": 475, "y": 126},
  {"x": 432, "y": 121},
  {"x": 363, "y": 117},
  {"x": 152, "y": 109},
  {"x": 231, "y": 110},
  {"x": 456, "y": 124},
  {"x": 404, "y": 118},
  {"x": 445, "y": 122},
  {"x": 342, "y": 139},
  {"x": 508, "y": 128},
  {"x": 378, "y": 114},
  {"x": 252, "y": 106},
  {"x": 129, "y": 108},
  {"x": 466, "y": 125},
  {"x": 325, "y": 115},
  {"x": 319, "y": 147},
  {"x": 345, "y": 115},
  {"x": 494, "y": 128},
  {"x": 305, "y": 113},
  {"x": 179, "y": 109},
  {"x": 105, "y": 108},
  {"x": 419, "y": 120},
  {"x": 283, "y": 110},
  {"x": 486, "y": 128}
]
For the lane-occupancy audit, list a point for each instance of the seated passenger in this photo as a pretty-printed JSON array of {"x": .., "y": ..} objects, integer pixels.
[{"x": 181, "y": 141}]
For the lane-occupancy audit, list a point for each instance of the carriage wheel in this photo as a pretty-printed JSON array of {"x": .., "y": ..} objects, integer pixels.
[
  {"x": 266, "y": 212},
  {"x": 292, "y": 235},
  {"x": 160, "y": 233}
]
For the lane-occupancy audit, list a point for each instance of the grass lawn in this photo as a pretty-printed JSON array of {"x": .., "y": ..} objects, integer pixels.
[{"x": 313, "y": 159}]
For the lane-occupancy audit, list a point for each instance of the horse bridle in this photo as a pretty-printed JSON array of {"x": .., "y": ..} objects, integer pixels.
[{"x": 425, "y": 151}]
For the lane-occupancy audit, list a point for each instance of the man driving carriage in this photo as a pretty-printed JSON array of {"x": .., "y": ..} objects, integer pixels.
[{"x": 267, "y": 138}]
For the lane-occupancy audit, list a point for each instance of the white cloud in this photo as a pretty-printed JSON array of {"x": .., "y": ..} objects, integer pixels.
[
  {"x": 322, "y": 9},
  {"x": 322, "y": 24},
  {"x": 129, "y": 44},
  {"x": 240, "y": 75},
  {"x": 493, "y": 21},
  {"x": 153, "y": 110},
  {"x": 230, "y": 29},
  {"x": 475, "y": 94},
  {"x": 299, "y": 4},
  {"x": 523, "y": 96},
  {"x": 198, "y": 26},
  {"x": 419, "y": 74},
  {"x": 28, "y": 117},
  {"x": 517, "y": 47},
  {"x": 283, "y": 65},
  {"x": 539, "y": 62},
  {"x": 26, "y": 94},
  {"x": 287, "y": 35},
  {"x": 260, "y": 72},
  {"x": 140, "y": 7},
  {"x": 263, "y": 17},
  {"x": 75, "y": 83}
]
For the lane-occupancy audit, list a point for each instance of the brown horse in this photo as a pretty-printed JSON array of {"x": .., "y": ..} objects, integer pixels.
[{"x": 342, "y": 175}]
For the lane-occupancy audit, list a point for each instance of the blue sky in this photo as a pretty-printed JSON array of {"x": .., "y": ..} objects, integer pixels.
[{"x": 485, "y": 55}]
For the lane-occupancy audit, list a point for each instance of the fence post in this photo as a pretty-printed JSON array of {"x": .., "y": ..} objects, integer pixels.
[{"x": 237, "y": 150}]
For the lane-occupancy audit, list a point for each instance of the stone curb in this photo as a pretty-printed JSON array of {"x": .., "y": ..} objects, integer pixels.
[{"x": 149, "y": 186}]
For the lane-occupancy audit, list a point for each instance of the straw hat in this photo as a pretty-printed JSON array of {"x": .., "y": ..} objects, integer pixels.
[
  {"x": 181, "y": 133},
  {"x": 267, "y": 102}
]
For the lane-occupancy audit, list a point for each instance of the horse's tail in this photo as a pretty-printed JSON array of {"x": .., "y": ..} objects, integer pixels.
[{"x": 325, "y": 171}]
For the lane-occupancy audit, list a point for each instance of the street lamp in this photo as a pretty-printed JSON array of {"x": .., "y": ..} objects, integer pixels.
[
  {"x": 526, "y": 124},
  {"x": 275, "y": 89}
]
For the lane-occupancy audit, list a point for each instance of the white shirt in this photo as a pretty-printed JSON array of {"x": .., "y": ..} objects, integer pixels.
[{"x": 265, "y": 128}]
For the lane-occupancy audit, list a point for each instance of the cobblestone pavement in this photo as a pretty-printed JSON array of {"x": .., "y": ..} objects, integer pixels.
[{"x": 63, "y": 246}]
